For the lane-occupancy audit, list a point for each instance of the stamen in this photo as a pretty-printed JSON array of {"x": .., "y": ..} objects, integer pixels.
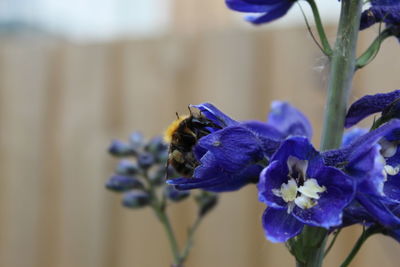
[
  {"x": 311, "y": 188},
  {"x": 391, "y": 170},
  {"x": 388, "y": 149},
  {"x": 305, "y": 202}
]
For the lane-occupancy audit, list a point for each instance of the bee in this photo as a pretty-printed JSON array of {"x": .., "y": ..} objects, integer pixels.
[{"x": 182, "y": 135}]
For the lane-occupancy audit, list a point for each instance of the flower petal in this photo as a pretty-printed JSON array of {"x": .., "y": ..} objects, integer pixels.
[
  {"x": 233, "y": 147},
  {"x": 215, "y": 115},
  {"x": 289, "y": 120},
  {"x": 379, "y": 210},
  {"x": 272, "y": 177},
  {"x": 251, "y": 6},
  {"x": 368, "y": 105},
  {"x": 278, "y": 11},
  {"x": 279, "y": 226},
  {"x": 392, "y": 187},
  {"x": 360, "y": 145}
]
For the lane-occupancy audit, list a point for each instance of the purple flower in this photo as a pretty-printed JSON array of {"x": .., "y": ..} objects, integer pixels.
[
  {"x": 269, "y": 9},
  {"x": 300, "y": 189},
  {"x": 373, "y": 161},
  {"x": 387, "y": 11},
  {"x": 235, "y": 155}
]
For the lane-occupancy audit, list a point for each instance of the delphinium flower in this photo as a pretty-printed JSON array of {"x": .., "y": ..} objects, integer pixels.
[
  {"x": 387, "y": 11},
  {"x": 140, "y": 177},
  {"x": 300, "y": 190},
  {"x": 373, "y": 160},
  {"x": 234, "y": 155}
]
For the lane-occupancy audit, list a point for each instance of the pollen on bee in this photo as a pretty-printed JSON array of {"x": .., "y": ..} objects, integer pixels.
[{"x": 172, "y": 128}]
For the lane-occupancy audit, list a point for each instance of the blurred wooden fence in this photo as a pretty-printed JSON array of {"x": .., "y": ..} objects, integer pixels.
[{"x": 61, "y": 103}]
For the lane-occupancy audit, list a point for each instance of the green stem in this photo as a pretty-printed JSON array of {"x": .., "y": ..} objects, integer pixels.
[
  {"x": 189, "y": 240},
  {"x": 342, "y": 67},
  {"x": 341, "y": 73},
  {"x": 364, "y": 236},
  {"x": 332, "y": 242},
  {"x": 159, "y": 209},
  {"x": 373, "y": 49},
  {"x": 320, "y": 28},
  {"x": 162, "y": 216}
]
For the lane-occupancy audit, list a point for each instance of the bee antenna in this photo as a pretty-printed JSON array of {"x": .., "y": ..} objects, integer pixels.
[
  {"x": 177, "y": 115},
  {"x": 190, "y": 111}
]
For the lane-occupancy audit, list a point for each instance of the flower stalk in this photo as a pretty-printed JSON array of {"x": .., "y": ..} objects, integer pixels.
[{"x": 342, "y": 68}]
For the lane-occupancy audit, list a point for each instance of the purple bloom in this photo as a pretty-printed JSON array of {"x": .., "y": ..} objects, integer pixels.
[
  {"x": 269, "y": 9},
  {"x": 300, "y": 190},
  {"x": 371, "y": 104},
  {"x": 373, "y": 160},
  {"x": 387, "y": 11},
  {"x": 234, "y": 156}
]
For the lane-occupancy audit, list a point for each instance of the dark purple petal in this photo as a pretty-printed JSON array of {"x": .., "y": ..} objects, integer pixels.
[
  {"x": 328, "y": 211},
  {"x": 278, "y": 11},
  {"x": 289, "y": 120},
  {"x": 379, "y": 210},
  {"x": 251, "y": 6},
  {"x": 220, "y": 182},
  {"x": 264, "y": 130},
  {"x": 392, "y": 187},
  {"x": 356, "y": 213},
  {"x": 279, "y": 226},
  {"x": 368, "y": 105},
  {"x": 269, "y": 137},
  {"x": 233, "y": 147},
  {"x": 360, "y": 145},
  {"x": 215, "y": 115},
  {"x": 272, "y": 177}
]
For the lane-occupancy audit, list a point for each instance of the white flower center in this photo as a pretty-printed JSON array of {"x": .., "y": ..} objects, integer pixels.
[
  {"x": 299, "y": 190},
  {"x": 388, "y": 150}
]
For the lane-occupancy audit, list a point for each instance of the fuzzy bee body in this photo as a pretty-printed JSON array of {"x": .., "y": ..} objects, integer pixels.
[{"x": 183, "y": 135}]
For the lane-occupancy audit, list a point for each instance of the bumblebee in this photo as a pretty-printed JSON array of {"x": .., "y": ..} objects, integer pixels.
[{"x": 182, "y": 135}]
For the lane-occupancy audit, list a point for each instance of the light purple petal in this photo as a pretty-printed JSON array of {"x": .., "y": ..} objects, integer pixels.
[{"x": 289, "y": 120}]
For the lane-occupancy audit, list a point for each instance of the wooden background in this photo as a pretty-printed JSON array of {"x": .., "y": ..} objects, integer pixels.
[{"x": 61, "y": 103}]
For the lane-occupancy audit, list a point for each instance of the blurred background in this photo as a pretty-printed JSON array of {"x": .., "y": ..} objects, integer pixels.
[{"x": 76, "y": 74}]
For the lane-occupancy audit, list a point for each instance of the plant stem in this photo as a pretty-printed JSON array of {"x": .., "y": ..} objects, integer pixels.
[
  {"x": 320, "y": 28},
  {"x": 189, "y": 240},
  {"x": 162, "y": 216},
  {"x": 336, "y": 234},
  {"x": 342, "y": 69},
  {"x": 373, "y": 49},
  {"x": 364, "y": 236}
]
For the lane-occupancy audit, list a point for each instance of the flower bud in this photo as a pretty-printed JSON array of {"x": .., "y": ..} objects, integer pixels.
[
  {"x": 156, "y": 145},
  {"x": 136, "y": 199},
  {"x": 136, "y": 140},
  {"x": 120, "y": 149},
  {"x": 120, "y": 183},
  {"x": 175, "y": 195},
  {"x": 206, "y": 202},
  {"x": 145, "y": 160},
  {"x": 127, "y": 167}
]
